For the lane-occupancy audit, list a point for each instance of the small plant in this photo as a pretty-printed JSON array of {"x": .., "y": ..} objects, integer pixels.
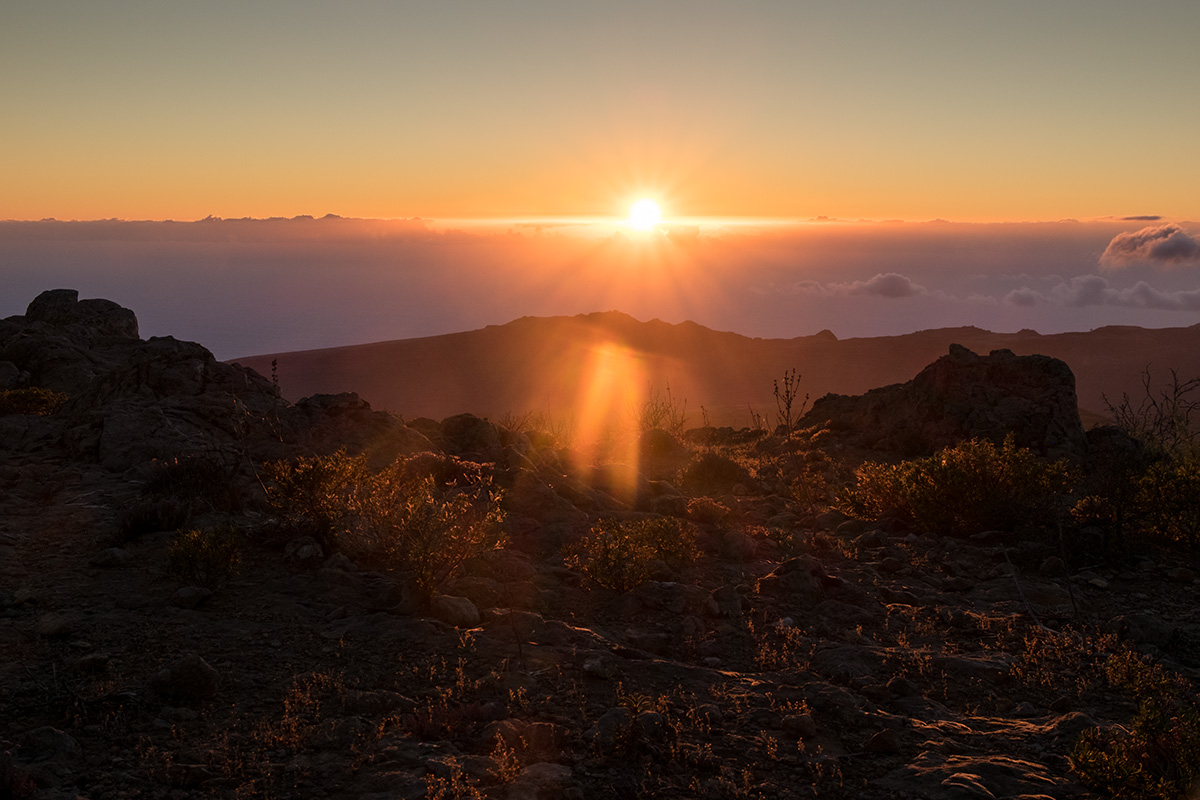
[
  {"x": 787, "y": 412},
  {"x": 31, "y": 401},
  {"x": 206, "y": 558},
  {"x": 455, "y": 786},
  {"x": 964, "y": 489},
  {"x": 508, "y": 765},
  {"x": 1158, "y": 754},
  {"x": 619, "y": 554}
]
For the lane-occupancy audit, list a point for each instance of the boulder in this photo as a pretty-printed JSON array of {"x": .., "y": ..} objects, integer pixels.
[
  {"x": 963, "y": 396},
  {"x": 62, "y": 308},
  {"x": 452, "y": 610}
]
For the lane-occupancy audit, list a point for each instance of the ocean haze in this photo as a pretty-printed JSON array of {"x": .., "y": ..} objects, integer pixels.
[{"x": 245, "y": 287}]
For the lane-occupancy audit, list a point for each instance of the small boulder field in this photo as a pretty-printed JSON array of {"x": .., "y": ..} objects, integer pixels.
[{"x": 944, "y": 589}]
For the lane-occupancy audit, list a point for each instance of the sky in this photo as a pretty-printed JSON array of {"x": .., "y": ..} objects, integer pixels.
[{"x": 1041, "y": 156}]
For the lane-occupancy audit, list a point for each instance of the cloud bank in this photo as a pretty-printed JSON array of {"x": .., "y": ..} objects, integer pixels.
[
  {"x": 1094, "y": 290},
  {"x": 1163, "y": 245}
]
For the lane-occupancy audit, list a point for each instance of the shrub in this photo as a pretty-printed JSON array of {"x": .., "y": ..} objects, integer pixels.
[
  {"x": 317, "y": 495},
  {"x": 1158, "y": 754},
  {"x": 619, "y": 554},
  {"x": 34, "y": 401},
  {"x": 206, "y": 558},
  {"x": 662, "y": 411},
  {"x": 422, "y": 517},
  {"x": 713, "y": 473},
  {"x": 964, "y": 489},
  {"x": 1168, "y": 501},
  {"x": 427, "y": 525}
]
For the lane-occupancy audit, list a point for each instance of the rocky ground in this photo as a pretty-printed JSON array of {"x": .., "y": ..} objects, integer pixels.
[{"x": 806, "y": 654}]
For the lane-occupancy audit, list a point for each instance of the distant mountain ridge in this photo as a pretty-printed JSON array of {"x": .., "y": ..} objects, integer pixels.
[{"x": 551, "y": 363}]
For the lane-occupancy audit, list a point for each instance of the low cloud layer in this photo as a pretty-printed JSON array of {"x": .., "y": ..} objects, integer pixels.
[
  {"x": 1163, "y": 245},
  {"x": 1094, "y": 290}
]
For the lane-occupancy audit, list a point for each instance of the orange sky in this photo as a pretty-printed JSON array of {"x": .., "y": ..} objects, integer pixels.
[{"x": 870, "y": 109}]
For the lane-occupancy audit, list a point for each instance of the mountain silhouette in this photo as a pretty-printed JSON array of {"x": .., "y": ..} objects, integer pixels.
[{"x": 547, "y": 363}]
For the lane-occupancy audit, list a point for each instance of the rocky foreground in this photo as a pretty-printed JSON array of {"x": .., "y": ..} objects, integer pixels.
[{"x": 806, "y": 654}]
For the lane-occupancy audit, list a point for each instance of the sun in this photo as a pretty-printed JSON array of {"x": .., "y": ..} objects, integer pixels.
[{"x": 644, "y": 214}]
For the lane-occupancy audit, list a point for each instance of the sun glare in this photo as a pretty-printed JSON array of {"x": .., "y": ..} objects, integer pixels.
[{"x": 644, "y": 214}]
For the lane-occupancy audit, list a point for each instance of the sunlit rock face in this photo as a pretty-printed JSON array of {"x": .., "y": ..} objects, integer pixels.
[{"x": 962, "y": 396}]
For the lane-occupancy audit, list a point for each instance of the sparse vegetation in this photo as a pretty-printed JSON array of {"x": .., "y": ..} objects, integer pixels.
[
  {"x": 1157, "y": 756},
  {"x": 718, "y": 631}
]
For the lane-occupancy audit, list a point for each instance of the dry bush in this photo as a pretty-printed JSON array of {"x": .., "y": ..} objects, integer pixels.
[
  {"x": 620, "y": 554},
  {"x": 662, "y": 411},
  {"x": 971, "y": 487},
  {"x": 1162, "y": 421},
  {"x": 422, "y": 517},
  {"x": 317, "y": 495}
]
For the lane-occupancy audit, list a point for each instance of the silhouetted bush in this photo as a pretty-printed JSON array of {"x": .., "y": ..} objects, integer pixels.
[
  {"x": 620, "y": 554},
  {"x": 713, "y": 473},
  {"x": 1162, "y": 421},
  {"x": 971, "y": 487},
  {"x": 33, "y": 401}
]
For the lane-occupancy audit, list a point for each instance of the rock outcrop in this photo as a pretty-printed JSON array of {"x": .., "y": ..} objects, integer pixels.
[
  {"x": 131, "y": 400},
  {"x": 963, "y": 396}
]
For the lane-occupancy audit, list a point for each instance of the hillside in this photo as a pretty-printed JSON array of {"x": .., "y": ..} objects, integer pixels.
[
  {"x": 548, "y": 364},
  {"x": 208, "y": 590}
]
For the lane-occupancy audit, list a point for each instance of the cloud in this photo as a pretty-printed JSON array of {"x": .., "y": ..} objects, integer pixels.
[
  {"x": 1166, "y": 245},
  {"x": 1142, "y": 218},
  {"x": 892, "y": 285},
  {"x": 1024, "y": 297},
  {"x": 1094, "y": 290}
]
